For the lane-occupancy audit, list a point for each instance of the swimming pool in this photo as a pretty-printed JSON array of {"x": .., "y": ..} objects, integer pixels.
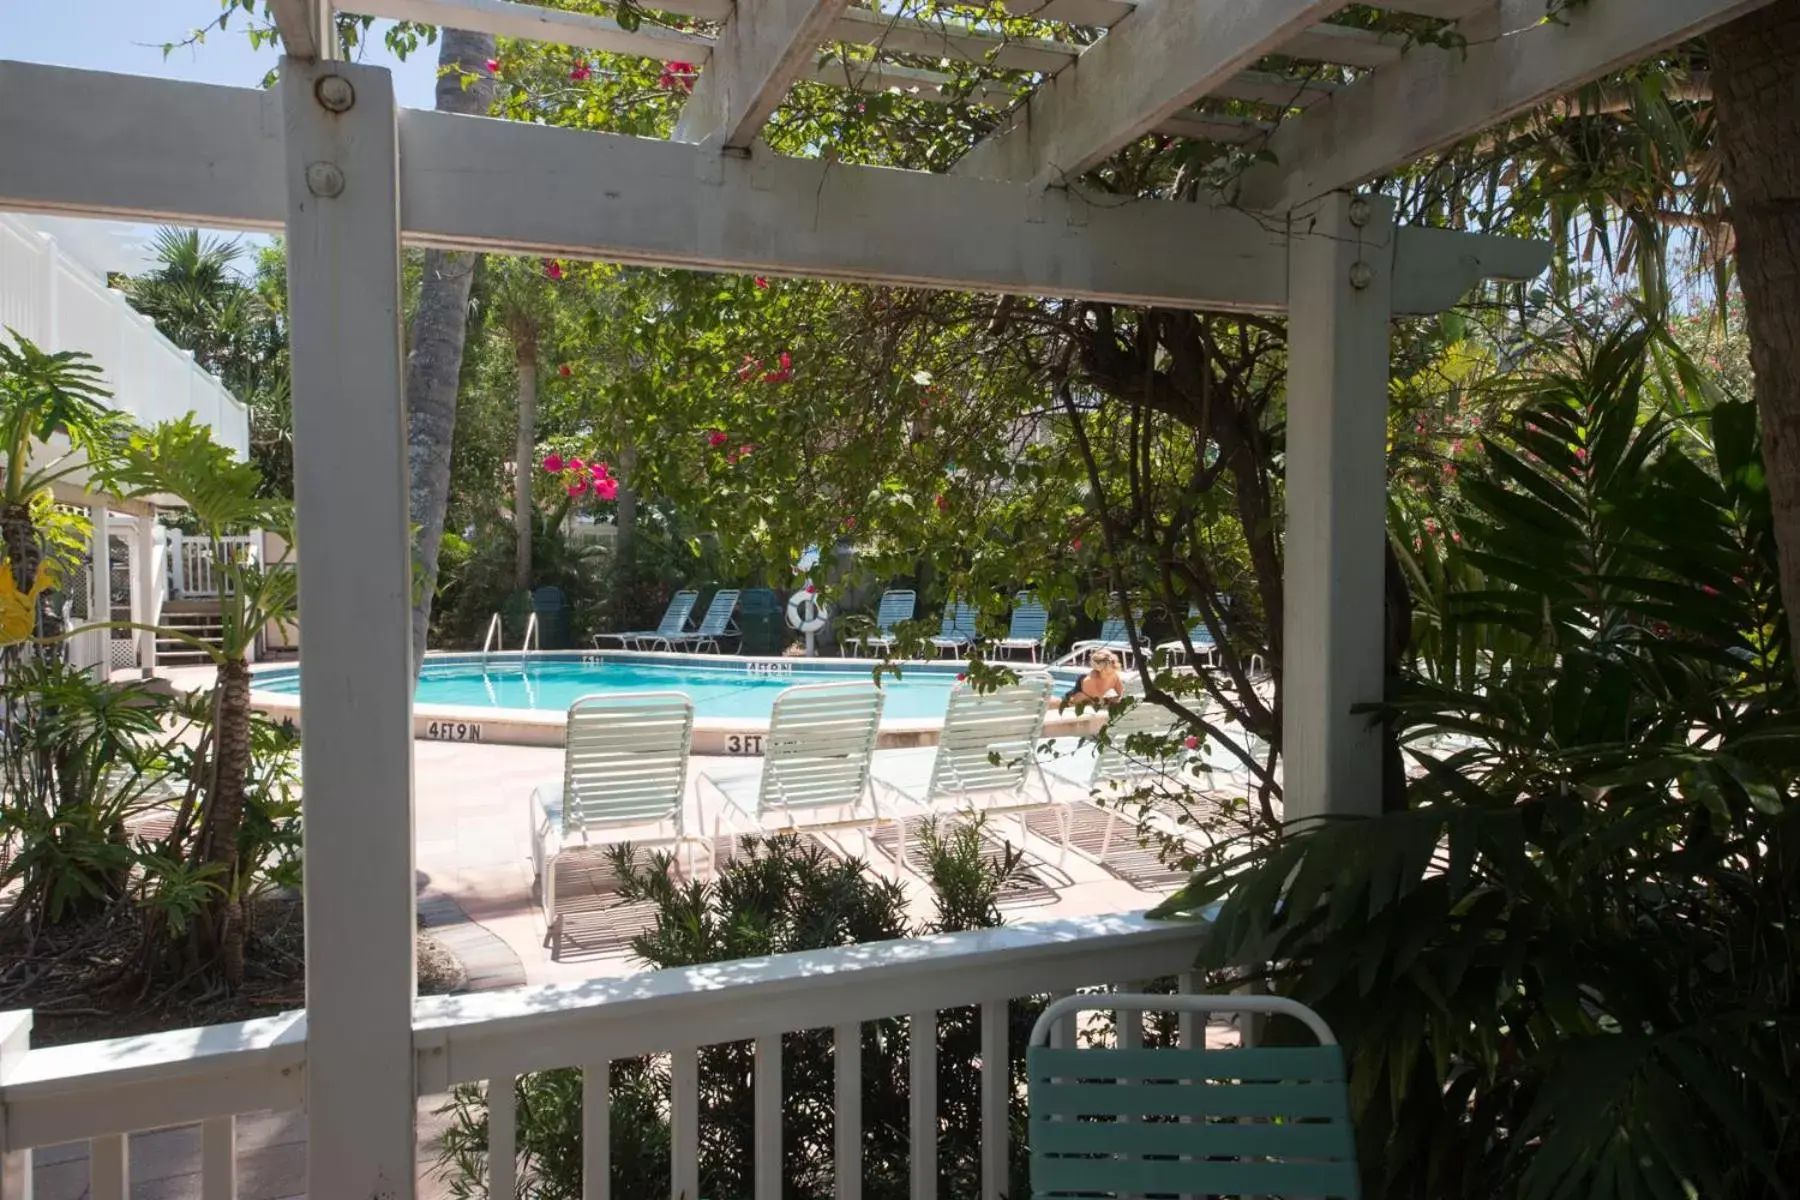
[
  {"x": 721, "y": 687},
  {"x": 524, "y": 699}
]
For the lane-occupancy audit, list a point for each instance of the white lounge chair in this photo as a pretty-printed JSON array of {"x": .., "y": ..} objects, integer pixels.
[
  {"x": 1115, "y": 635},
  {"x": 957, "y": 629},
  {"x": 674, "y": 620},
  {"x": 984, "y": 760},
  {"x": 1030, "y": 627},
  {"x": 625, "y": 761},
  {"x": 897, "y": 605},
  {"x": 1199, "y": 636},
  {"x": 1108, "y": 764},
  {"x": 815, "y": 772},
  {"x": 714, "y": 626}
]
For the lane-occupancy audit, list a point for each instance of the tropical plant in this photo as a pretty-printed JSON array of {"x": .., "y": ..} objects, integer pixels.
[
  {"x": 775, "y": 895},
  {"x": 224, "y": 496},
  {"x": 43, "y": 396},
  {"x": 1569, "y": 967}
]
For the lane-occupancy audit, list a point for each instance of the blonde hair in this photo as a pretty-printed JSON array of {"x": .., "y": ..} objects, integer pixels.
[{"x": 1103, "y": 659}]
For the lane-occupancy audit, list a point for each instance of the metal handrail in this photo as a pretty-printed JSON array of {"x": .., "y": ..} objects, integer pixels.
[
  {"x": 494, "y": 638},
  {"x": 532, "y": 637}
]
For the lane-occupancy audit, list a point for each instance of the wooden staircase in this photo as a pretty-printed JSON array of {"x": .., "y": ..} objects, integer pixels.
[{"x": 198, "y": 620}]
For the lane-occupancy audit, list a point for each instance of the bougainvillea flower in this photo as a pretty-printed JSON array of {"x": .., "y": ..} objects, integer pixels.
[
  {"x": 579, "y": 72},
  {"x": 744, "y": 451},
  {"x": 607, "y": 489},
  {"x": 576, "y": 465},
  {"x": 962, "y": 677},
  {"x": 579, "y": 487},
  {"x": 810, "y": 589},
  {"x": 751, "y": 366},
  {"x": 552, "y": 268},
  {"x": 553, "y": 463},
  {"x": 565, "y": 370},
  {"x": 849, "y": 522},
  {"x": 943, "y": 504},
  {"x": 493, "y": 66},
  {"x": 677, "y": 77},
  {"x": 1191, "y": 742},
  {"x": 762, "y": 281},
  {"x": 717, "y": 437},
  {"x": 597, "y": 470},
  {"x": 1074, "y": 543}
]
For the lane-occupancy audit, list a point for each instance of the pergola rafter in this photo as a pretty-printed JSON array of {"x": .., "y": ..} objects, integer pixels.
[{"x": 328, "y": 159}]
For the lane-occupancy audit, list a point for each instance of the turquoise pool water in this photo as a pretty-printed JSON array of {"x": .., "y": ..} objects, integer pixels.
[{"x": 728, "y": 689}]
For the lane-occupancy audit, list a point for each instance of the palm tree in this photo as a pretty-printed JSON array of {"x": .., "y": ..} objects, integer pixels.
[
  {"x": 224, "y": 495},
  {"x": 521, "y": 302},
  {"x": 43, "y": 395}
]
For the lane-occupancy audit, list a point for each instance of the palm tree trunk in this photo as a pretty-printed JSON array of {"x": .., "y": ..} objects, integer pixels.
[
  {"x": 23, "y": 551},
  {"x": 440, "y": 326},
  {"x": 625, "y": 544},
  {"x": 225, "y": 815},
  {"x": 526, "y": 349},
  {"x": 1756, "y": 104}
]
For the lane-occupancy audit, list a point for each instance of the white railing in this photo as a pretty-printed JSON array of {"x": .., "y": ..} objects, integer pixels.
[
  {"x": 102, "y": 1092},
  {"x": 61, "y": 305},
  {"x": 495, "y": 638},
  {"x": 193, "y": 573}
]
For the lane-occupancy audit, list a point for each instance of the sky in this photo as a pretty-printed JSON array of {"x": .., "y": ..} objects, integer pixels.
[{"x": 127, "y": 36}]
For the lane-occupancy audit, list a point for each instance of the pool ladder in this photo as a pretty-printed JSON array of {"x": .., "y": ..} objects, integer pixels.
[{"x": 495, "y": 640}]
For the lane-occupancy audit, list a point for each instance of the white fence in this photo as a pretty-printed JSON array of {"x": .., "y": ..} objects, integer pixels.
[
  {"x": 103, "y": 1091},
  {"x": 61, "y": 305},
  {"x": 193, "y": 573}
]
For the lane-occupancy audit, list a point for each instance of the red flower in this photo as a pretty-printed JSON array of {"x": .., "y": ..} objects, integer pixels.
[
  {"x": 493, "y": 66},
  {"x": 762, "y": 281},
  {"x": 943, "y": 504},
  {"x": 580, "y": 71},
  {"x": 579, "y": 487},
  {"x": 1074, "y": 543},
  {"x": 677, "y": 77},
  {"x": 552, "y": 268},
  {"x": 786, "y": 360},
  {"x": 607, "y": 489},
  {"x": 810, "y": 589},
  {"x": 750, "y": 367},
  {"x": 597, "y": 470},
  {"x": 575, "y": 464},
  {"x": 962, "y": 676},
  {"x": 553, "y": 463},
  {"x": 1191, "y": 742},
  {"x": 564, "y": 370},
  {"x": 849, "y": 522},
  {"x": 716, "y": 438},
  {"x": 1709, "y": 589},
  {"x": 1581, "y": 454},
  {"x": 744, "y": 451}
]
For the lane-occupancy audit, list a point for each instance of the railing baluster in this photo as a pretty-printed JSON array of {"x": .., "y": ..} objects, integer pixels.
[
  {"x": 1128, "y": 1029},
  {"x": 218, "y": 1159},
  {"x": 766, "y": 1127},
  {"x": 996, "y": 1094},
  {"x": 596, "y": 1131},
  {"x": 1192, "y": 1025},
  {"x": 503, "y": 1139},
  {"x": 684, "y": 1122},
  {"x": 924, "y": 1126},
  {"x": 846, "y": 1042},
  {"x": 109, "y": 1167}
]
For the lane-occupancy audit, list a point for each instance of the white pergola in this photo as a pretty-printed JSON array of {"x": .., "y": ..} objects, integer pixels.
[{"x": 329, "y": 160}]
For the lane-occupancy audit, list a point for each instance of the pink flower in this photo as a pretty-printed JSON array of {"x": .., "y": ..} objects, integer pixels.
[
  {"x": 579, "y": 487},
  {"x": 1191, "y": 742},
  {"x": 849, "y": 522},
  {"x": 762, "y": 281},
  {"x": 744, "y": 451},
  {"x": 580, "y": 71},
  {"x": 786, "y": 360},
  {"x": 553, "y": 463},
  {"x": 677, "y": 77},
  {"x": 597, "y": 470},
  {"x": 565, "y": 370},
  {"x": 576, "y": 465},
  {"x": 1581, "y": 454},
  {"x": 1074, "y": 543},
  {"x": 716, "y": 438},
  {"x": 962, "y": 677},
  {"x": 552, "y": 268},
  {"x": 1709, "y": 589},
  {"x": 810, "y": 589},
  {"x": 607, "y": 489},
  {"x": 493, "y": 66}
]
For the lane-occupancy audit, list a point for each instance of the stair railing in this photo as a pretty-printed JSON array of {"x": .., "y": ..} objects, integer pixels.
[{"x": 533, "y": 640}]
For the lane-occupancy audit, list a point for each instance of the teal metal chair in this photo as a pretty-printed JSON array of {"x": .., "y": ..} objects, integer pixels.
[{"x": 1265, "y": 1121}]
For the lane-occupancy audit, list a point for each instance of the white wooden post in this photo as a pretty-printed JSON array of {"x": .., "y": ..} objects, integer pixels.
[
  {"x": 1340, "y": 287},
  {"x": 15, "y": 1165},
  {"x": 350, "y": 483},
  {"x": 152, "y": 578},
  {"x": 100, "y": 590}
]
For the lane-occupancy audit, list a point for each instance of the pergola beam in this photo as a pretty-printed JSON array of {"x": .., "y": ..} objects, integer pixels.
[
  {"x": 532, "y": 23},
  {"x": 1154, "y": 63},
  {"x": 760, "y": 52},
  {"x": 305, "y": 26},
  {"x": 1432, "y": 99}
]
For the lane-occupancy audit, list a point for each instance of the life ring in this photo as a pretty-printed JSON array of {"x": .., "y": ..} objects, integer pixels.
[{"x": 804, "y": 611}]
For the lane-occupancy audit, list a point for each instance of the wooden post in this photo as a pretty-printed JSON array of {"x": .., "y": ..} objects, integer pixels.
[
  {"x": 147, "y": 600},
  {"x": 350, "y": 473},
  {"x": 1340, "y": 288},
  {"x": 100, "y": 589},
  {"x": 15, "y": 1165}
]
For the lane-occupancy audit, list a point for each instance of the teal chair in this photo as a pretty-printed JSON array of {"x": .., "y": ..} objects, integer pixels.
[{"x": 1266, "y": 1121}]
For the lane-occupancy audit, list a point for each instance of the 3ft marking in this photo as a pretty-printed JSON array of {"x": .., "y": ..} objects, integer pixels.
[
  {"x": 743, "y": 743},
  {"x": 453, "y": 731}
]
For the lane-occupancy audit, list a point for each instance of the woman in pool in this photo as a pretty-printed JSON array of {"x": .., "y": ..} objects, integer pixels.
[{"x": 1101, "y": 685}]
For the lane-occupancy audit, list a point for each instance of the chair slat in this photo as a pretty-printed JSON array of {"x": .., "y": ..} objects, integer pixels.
[
  {"x": 1078, "y": 1176},
  {"x": 1225, "y": 1139},
  {"x": 1281, "y": 1064},
  {"x": 1291, "y": 1100}
]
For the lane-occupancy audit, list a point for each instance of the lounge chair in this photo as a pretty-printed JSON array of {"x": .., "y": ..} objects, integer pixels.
[
  {"x": 983, "y": 762},
  {"x": 1030, "y": 627},
  {"x": 1109, "y": 763},
  {"x": 625, "y": 761},
  {"x": 674, "y": 620},
  {"x": 957, "y": 629},
  {"x": 1199, "y": 636},
  {"x": 1115, "y": 635},
  {"x": 815, "y": 772},
  {"x": 717, "y": 624},
  {"x": 897, "y": 605},
  {"x": 1262, "y": 1121}
]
